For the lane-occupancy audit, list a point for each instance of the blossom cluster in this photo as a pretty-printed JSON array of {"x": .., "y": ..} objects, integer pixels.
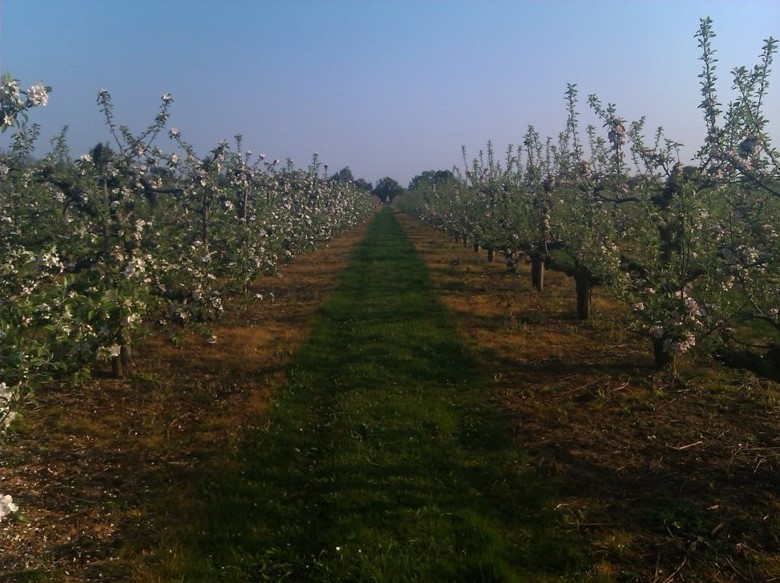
[
  {"x": 7, "y": 506},
  {"x": 7, "y": 413},
  {"x": 14, "y": 101}
]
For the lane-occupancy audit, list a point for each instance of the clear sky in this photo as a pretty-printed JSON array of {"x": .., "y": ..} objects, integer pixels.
[{"x": 386, "y": 87}]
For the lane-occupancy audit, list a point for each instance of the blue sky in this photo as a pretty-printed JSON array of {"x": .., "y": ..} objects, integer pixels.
[{"x": 386, "y": 87}]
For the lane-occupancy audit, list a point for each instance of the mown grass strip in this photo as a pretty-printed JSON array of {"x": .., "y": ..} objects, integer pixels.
[{"x": 382, "y": 459}]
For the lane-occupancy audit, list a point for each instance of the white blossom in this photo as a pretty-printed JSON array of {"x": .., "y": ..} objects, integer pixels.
[
  {"x": 7, "y": 506},
  {"x": 656, "y": 331},
  {"x": 37, "y": 96}
]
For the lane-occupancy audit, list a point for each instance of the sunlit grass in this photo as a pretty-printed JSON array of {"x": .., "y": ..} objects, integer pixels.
[{"x": 382, "y": 459}]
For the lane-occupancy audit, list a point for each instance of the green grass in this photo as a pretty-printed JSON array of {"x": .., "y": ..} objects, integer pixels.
[{"x": 382, "y": 458}]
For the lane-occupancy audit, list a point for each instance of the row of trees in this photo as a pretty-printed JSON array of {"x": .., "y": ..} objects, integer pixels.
[
  {"x": 693, "y": 250},
  {"x": 386, "y": 188},
  {"x": 92, "y": 250}
]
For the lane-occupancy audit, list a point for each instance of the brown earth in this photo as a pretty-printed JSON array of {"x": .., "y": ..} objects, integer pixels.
[{"x": 665, "y": 478}]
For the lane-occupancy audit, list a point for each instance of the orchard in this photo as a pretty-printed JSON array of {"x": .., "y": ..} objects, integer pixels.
[{"x": 144, "y": 243}]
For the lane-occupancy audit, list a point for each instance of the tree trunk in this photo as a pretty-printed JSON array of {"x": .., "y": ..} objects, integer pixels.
[
  {"x": 662, "y": 359},
  {"x": 773, "y": 358},
  {"x": 491, "y": 255},
  {"x": 537, "y": 272},
  {"x": 122, "y": 365},
  {"x": 584, "y": 295},
  {"x": 476, "y": 247}
]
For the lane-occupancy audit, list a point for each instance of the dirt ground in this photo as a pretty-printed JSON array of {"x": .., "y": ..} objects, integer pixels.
[{"x": 666, "y": 479}]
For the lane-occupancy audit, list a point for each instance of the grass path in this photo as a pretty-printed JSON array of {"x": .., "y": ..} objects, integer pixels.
[{"x": 382, "y": 459}]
